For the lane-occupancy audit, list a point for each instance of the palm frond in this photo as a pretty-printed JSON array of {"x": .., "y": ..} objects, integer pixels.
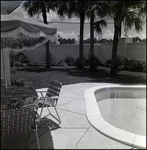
[
  {"x": 132, "y": 19},
  {"x": 98, "y": 25}
]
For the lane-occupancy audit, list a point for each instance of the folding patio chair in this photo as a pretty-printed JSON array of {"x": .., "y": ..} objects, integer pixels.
[
  {"x": 50, "y": 99},
  {"x": 18, "y": 121}
]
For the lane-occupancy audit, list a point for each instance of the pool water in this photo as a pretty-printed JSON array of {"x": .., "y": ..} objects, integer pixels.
[{"x": 124, "y": 108}]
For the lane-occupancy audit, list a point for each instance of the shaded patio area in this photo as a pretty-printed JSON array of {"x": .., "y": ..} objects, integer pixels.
[{"x": 74, "y": 132}]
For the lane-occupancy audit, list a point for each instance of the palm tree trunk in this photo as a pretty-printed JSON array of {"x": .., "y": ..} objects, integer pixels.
[
  {"x": 47, "y": 43},
  {"x": 92, "y": 41},
  {"x": 120, "y": 31},
  {"x": 12, "y": 59},
  {"x": 114, "y": 49},
  {"x": 82, "y": 16},
  {"x": 47, "y": 55}
]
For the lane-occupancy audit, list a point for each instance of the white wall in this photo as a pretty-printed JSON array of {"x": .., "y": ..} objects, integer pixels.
[
  {"x": 60, "y": 52},
  {"x": 105, "y": 50},
  {"x": 137, "y": 51}
]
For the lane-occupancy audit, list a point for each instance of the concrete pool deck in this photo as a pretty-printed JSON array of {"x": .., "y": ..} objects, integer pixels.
[{"x": 74, "y": 131}]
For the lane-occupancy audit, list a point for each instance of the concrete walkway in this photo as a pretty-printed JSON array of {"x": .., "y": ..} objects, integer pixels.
[{"x": 74, "y": 131}]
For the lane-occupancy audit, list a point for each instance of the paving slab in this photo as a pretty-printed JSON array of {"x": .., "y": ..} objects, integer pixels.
[
  {"x": 76, "y": 106},
  {"x": 92, "y": 139},
  {"x": 72, "y": 94},
  {"x": 71, "y": 119},
  {"x": 64, "y": 138}
]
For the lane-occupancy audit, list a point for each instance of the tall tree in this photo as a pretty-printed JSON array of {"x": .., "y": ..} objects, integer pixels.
[
  {"x": 95, "y": 9},
  {"x": 36, "y": 8},
  {"x": 76, "y": 8},
  {"x": 126, "y": 13}
]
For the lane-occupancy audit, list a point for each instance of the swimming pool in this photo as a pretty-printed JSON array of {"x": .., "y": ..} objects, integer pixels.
[{"x": 118, "y": 112}]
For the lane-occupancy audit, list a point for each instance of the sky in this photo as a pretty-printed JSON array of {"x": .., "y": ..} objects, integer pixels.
[{"x": 69, "y": 28}]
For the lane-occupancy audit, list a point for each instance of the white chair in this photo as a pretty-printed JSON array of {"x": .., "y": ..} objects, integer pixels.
[{"x": 50, "y": 99}]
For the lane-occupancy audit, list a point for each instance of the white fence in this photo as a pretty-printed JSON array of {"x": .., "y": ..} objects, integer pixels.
[{"x": 103, "y": 51}]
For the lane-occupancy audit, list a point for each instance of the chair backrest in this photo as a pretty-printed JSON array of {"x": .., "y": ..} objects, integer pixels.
[
  {"x": 16, "y": 121},
  {"x": 54, "y": 88}
]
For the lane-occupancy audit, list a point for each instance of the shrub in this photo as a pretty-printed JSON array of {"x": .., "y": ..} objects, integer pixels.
[
  {"x": 18, "y": 59},
  {"x": 86, "y": 62},
  {"x": 22, "y": 58},
  {"x": 137, "y": 65},
  {"x": 108, "y": 62},
  {"x": 123, "y": 63},
  {"x": 14, "y": 79},
  {"x": 69, "y": 61},
  {"x": 96, "y": 61},
  {"x": 78, "y": 65}
]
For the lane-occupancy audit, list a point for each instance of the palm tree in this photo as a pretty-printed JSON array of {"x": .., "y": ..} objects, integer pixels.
[
  {"x": 95, "y": 9},
  {"x": 126, "y": 13},
  {"x": 40, "y": 7},
  {"x": 77, "y": 8}
]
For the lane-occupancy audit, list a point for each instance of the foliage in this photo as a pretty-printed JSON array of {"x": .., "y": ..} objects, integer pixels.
[
  {"x": 14, "y": 79},
  {"x": 20, "y": 41},
  {"x": 137, "y": 39},
  {"x": 127, "y": 13},
  {"x": 66, "y": 41},
  {"x": 35, "y": 63},
  {"x": 30, "y": 100},
  {"x": 86, "y": 61},
  {"x": 124, "y": 63},
  {"x": 137, "y": 65},
  {"x": 19, "y": 59},
  {"x": 95, "y": 40},
  {"x": 69, "y": 61},
  {"x": 22, "y": 58},
  {"x": 17, "y": 103},
  {"x": 107, "y": 63},
  {"x": 96, "y": 61},
  {"x": 78, "y": 63}
]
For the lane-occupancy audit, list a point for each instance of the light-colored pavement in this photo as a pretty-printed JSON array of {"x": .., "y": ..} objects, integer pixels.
[{"x": 74, "y": 131}]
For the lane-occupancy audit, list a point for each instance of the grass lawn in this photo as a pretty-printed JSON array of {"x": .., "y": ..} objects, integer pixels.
[{"x": 39, "y": 78}]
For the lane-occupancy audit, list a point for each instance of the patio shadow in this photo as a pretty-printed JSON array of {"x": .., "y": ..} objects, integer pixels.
[{"x": 22, "y": 142}]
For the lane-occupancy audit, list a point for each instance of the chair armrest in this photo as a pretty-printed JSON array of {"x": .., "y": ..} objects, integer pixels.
[
  {"x": 52, "y": 97},
  {"x": 33, "y": 104},
  {"x": 52, "y": 101}
]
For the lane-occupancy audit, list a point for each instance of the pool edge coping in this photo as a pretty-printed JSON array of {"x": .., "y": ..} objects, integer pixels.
[{"x": 93, "y": 114}]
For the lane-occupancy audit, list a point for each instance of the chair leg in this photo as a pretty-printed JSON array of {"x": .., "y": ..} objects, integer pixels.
[
  {"x": 56, "y": 113},
  {"x": 42, "y": 108},
  {"x": 48, "y": 110},
  {"x": 36, "y": 132}
]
